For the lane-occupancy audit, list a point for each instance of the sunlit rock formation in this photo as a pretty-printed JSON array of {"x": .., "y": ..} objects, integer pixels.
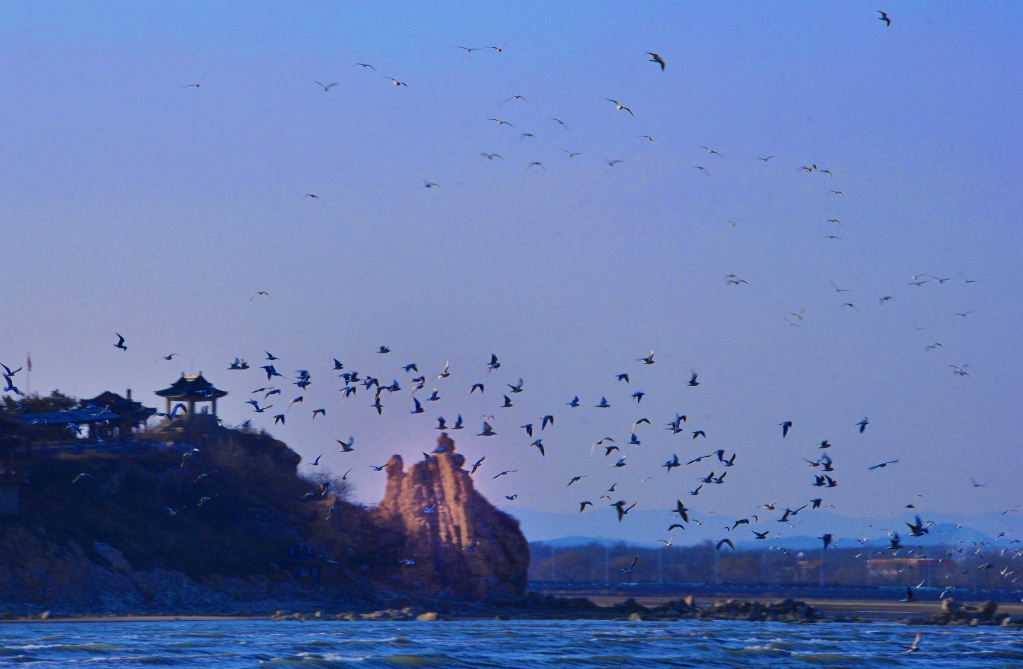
[{"x": 455, "y": 542}]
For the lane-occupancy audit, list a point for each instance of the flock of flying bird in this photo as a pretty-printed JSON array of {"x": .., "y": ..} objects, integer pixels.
[{"x": 607, "y": 450}]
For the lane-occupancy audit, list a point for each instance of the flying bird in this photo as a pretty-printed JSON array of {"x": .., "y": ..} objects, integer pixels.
[
  {"x": 327, "y": 87},
  {"x": 619, "y": 106},
  {"x": 120, "y": 342},
  {"x": 884, "y": 17},
  {"x": 916, "y": 528},
  {"x": 654, "y": 58},
  {"x": 622, "y": 509},
  {"x": 785, "y": 428},
  {"x": 681, "y": 510}
]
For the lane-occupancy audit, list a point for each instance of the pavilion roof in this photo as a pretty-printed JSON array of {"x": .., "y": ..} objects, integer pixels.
[
  {"x": 192, "y": 388},
  {"x": 116, "y": 403}
]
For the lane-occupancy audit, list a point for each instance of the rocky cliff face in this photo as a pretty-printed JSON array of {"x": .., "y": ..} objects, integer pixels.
[
  {"x": 225, "y": 523},
  {"x": 455, "y": 541}
]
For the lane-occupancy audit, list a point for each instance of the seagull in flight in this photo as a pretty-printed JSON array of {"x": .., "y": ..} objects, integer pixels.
[
  {"x": 620, "y": 107},
  {"x": 327, "y": 87},
  {"x": 654, "y": 58},
  {"x": 632, "y": 566},
  {"x": 395, "y": 81},
  {"x": 887, "y": 21},
  {"x": 120, "y": 342}
]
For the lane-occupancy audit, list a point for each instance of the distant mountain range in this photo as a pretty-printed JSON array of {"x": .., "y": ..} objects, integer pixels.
[{"x": 649, "y": 527}]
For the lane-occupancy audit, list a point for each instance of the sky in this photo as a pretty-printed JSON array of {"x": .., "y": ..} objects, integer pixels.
[{"x": 137, "y": 202}]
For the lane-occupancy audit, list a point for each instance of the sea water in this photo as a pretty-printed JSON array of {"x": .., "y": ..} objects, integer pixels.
[{"x": 506, "y": 644}]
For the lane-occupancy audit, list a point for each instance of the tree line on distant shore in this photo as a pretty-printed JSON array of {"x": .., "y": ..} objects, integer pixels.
[{"x": 932, "y": 566}]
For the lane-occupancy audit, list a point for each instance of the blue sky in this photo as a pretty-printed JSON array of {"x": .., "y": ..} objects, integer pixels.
[{"x": 135, "y": 203}]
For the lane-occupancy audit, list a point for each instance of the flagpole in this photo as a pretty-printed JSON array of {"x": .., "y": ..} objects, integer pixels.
[{"x": 28, "y": 373}]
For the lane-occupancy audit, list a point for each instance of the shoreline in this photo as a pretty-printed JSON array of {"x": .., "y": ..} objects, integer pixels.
[{"x": 603, "y": 606}]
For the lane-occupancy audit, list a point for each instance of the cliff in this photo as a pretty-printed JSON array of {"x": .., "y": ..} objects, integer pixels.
[
  {"x": 455, "y": 542},
  {"x": 223, "y": 522}
]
